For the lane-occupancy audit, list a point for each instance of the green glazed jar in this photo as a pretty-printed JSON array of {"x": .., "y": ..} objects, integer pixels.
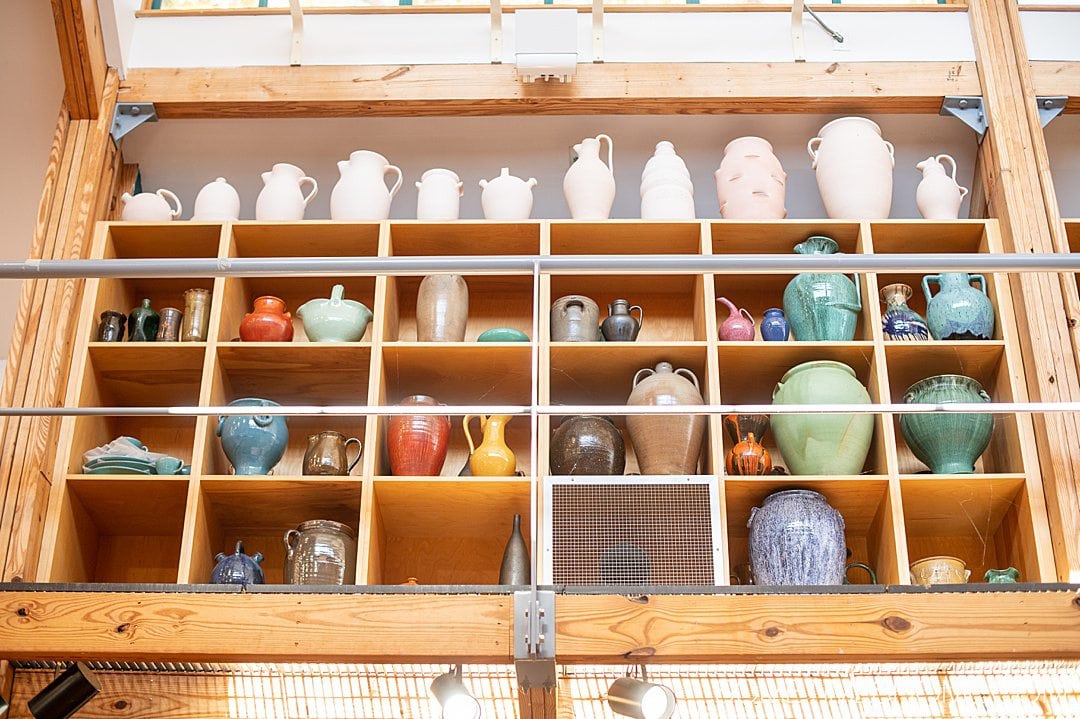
[
  {"x": 1002, "y": 576},
  {"x": 948, "y": 443},
  {"x": 822, "y": 306},
  {"x": 822, "y": 444}
]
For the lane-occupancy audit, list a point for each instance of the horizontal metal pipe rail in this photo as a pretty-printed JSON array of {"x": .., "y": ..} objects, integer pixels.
[{"x": 670, "y": 264}]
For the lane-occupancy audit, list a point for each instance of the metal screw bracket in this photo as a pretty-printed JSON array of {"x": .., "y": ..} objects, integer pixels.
[
  {"x": 129, "y": 115},
  {"x": 534, "y": 638},
  {"x": 1050, "y": 107},
  {"x": 968, "y": 109}
]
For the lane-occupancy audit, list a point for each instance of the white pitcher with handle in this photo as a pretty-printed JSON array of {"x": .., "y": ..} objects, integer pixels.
[
  {"x": 150, "y": 206},
  {"x": 361, "y": 193},
  {"x": 939, "y": 194},
  {"x": 589, "y": 185},
  {"x": 281, "y": 197}
]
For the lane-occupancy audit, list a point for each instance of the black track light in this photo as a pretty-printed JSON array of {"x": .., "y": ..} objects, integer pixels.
[{"x": 66, "y": 694}]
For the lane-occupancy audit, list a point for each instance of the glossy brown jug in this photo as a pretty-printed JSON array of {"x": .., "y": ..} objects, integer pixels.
[
  {"x": 666, "y": 444},
  {"x": 417, "y": 443},
  {"x": 747, "y": 456},
  {"x": 269, "y": 322},
  {"x": 327, "y": 455}
]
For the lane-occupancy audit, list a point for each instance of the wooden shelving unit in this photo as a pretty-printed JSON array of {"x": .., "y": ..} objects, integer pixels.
[{"x": 451, "y": 529}]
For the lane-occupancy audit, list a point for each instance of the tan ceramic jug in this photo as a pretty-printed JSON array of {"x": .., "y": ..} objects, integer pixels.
[{"x": 666, "y": 444}]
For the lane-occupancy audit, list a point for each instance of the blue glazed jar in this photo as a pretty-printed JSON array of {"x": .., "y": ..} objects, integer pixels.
[
  {"x": 238, "y": 568},
  {"x": 774, "y": 328},
  {"x": 958, "y": 311},
  {"x": 254, "y": 444},
  {"x": 900, "y": 322}
]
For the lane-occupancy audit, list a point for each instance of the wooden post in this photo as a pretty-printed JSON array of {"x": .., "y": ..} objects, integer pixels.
[
  {"x": 82, "y": 56},
  {"x": 1020, "y": 193}
]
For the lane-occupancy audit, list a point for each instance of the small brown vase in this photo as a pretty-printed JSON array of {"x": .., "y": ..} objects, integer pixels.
[
  {"x": 666, "y": 444},
  {"x": 417, "y": 443},
  {"x": 748, "y": 456},
  {"x": 269, "y": 322},
  {"x": 442, "y": 309},
  {"x": 587, "y": 445}
]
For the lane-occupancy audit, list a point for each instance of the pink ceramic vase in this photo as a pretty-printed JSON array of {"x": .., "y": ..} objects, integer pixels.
[
  {"x": 751, "y": 184},
  {"x": 739, "y": 325}
]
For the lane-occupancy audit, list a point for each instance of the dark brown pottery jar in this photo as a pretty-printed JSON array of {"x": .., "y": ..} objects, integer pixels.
[{"x": 587, "y": 445}]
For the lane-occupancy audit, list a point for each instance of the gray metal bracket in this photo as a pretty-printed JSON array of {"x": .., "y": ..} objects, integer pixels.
[
  {"x": 1050, "y": 107},
  {"x": 129, "y": 115},
  {"x": 534, "y": 639},
  {"x": 968, "y": 109}
]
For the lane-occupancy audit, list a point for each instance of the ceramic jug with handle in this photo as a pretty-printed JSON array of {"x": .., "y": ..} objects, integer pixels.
[
  {"x": 150, "y": 206},
  {"x": 282, "y": 197},
  {"x": 507, "y": 197},
  {"x": 958, "y": 311},
  {"x": 589, "y": 185},
  {"x": 334, "y": 319},
  {"x": 217, "y": 201},
  {"x": 438, "y": 195},
  {"x": 493, "y": 458},
  {"x": 327, "y": 454},
  {"x": 939, "y": 195},
  {"x": 666, "y": 444},
  {"x": 361, "y": 193},
  {"x": 739, "y": 325}
]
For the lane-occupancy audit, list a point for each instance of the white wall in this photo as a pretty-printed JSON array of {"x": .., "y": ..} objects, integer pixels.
[
  {"x": 1051, "y": 35},
  {"x": 182, "y": 155},
  {"x": 33, "y": 86},
  {"x": 1063, "y": 146}
]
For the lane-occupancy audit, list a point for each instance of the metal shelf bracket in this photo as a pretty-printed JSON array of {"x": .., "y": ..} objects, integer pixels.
[
  {"x": 129, "y": 115},
  {"x": 1050, "y": 107},
  {"x": 534, "y": 638},
  {"x": 968, "y": 109}
]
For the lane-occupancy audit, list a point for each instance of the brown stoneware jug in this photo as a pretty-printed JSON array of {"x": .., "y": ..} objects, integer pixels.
[
  {"x": 327, "y": 455},
  {"x": 666, "y": 444}
]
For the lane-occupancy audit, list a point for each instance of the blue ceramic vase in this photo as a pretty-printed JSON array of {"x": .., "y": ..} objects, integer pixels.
[
  {"x": 947, "y": 443},
  {"x": 253, "y": 443},
  {"x": 238, "y": 568},
  {"x": 822, "y": 306},
  {"x": 774, "y": 327},
  {"x": 899, "y": 322},
  {"x": 958, "y": 311}
]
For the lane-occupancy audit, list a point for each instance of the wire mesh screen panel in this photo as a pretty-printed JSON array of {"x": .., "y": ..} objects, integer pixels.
[{"x": 632, "y": 532}]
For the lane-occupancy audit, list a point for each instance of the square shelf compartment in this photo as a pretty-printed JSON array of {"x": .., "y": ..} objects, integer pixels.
[
  {"x": 153, "y": 240},
  {"x": 450, "y": 531},
  {"x": 779, "y": 237},
  {"x": 241, "y": 293},
  {"x": 259, "y": 511},
  {"x": 902, "y": 236},
  {"x": 142, "y": 374},
  {"x": 494, "y": 301},
  {"x": 625, "y": 237},
  {"x": 673, "y": 305},
  {"x": 124, "y": 295},
  {"x": 119, "y": 530},
  {"x": 750, "y": 371},
  {"x": 301, "y": 373},
  {"x": 465, "y": 237},
  {"x": 994, "y": 287},
  {"x": 984, "y": 520},
  {"x": 985, "y": 362},
  {"x": 865, "y": 504},
  {"x": 174, "y": 436},
  {"x": 311, "y": 238}
]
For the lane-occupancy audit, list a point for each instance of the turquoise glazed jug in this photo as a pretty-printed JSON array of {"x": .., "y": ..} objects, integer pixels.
[
  {"x": 254, "y": 444},
  {"x": 947, "y": 443},
  {"x": 822, "y": 306},
  {"x": 822, "y": 444},
  {"x": 958, "y": 311}
]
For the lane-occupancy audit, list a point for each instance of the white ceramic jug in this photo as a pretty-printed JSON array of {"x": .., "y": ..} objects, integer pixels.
[
  {"x": 854, "y": 169},
  {"x": 507, "y": 197},
  {"x": 150, "y": 207},
  {"x": 751, "y": 183},
  {"x": 439, "y": 195},
  {"x": 217, "y": 201},
  {"x": 361, "y": 192},
  {"x": 281, "y": 197},
  {"x": 589, "y": 185},
  {"x": 939, "y": 195}
]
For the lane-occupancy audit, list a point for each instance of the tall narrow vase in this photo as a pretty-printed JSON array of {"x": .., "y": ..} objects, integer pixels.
[{"x": 515, "y": 569}]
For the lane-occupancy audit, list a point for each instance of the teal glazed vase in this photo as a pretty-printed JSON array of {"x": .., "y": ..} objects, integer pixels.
[
  {"x": 1002, "y": 576},
  {"x": 947, "y": 442},
  {"x": 822, "y": 306},
  {"x": 822, "y": 444},
  {"x": 254, "y": 444},
  {"x": 958, "y": 311}
]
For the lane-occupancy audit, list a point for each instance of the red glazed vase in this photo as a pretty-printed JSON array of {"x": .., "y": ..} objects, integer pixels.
[
  {"x": 268, "y": 323},
  {"x": 417, "y": 443},
  {"x": 748, "y": 456}
]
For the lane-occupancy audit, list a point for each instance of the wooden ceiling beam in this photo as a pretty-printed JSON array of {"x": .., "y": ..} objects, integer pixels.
[
  {"x": 607, "y": 88},
  {"x": 1056, "y": 79}
]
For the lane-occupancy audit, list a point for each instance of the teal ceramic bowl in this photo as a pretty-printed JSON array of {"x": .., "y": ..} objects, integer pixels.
[{"x": 503, "y": 334}]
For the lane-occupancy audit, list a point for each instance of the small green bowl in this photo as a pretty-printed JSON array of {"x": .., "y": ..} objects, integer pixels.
[{"x": 503, "y": 334}]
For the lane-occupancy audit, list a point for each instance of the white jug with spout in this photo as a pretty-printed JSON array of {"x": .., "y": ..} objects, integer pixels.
[
  {"x": 589, "y": 185},
  {"x": 361, "y": 193},
  {"x": 507, "y": 197},
  {"x": 150, "y": 207},
  {"x": 281, "y": 197},
  {"x": 939, "y": 195}
]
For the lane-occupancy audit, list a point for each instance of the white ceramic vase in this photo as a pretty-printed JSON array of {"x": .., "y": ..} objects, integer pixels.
[
  {"x": 751, "y": 183},
  {"x": 438, "y": 195},
  {"x": 854, "y": 169},
  {"x": 150, "y": 206},
  {"x": 361, "y": 193},
  {"x": 667, "y": 192},
  {"x": 217, "y": 201},
  {"x": 282, "y": 198},
  {"x": 589, "y": 185},
  {"x": 939, "y": 195},
  {"x": 665, "y": 160},
  {"x": 507, "y": 197},
  {"x": 667, "y": 202}
]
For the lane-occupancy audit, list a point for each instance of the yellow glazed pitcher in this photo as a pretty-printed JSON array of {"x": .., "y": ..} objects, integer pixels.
[{"x": 492, "y": 458}]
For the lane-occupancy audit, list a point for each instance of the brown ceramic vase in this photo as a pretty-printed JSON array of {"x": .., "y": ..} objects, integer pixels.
[
  {"x": 747, "y": 456},
  {"x": 666, "y": 444},
  {"x": 442, "y": 309},
  {"x": 417, "y": 443},
  {"x": 587, "y": 445},
  {"x": 269, "y": 322}
]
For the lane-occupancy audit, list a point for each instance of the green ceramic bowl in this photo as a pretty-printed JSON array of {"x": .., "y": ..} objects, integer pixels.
[{"x": 503, "y": 334}]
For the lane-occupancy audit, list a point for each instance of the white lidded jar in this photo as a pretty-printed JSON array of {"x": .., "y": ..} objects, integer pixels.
[
  {"x": 217, "y": 201},
  {"x": 438, "y": 195}
]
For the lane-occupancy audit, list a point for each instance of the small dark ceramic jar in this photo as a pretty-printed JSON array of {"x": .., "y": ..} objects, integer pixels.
[
  {"x": 111, "y": 328},
  {"x": 143, "y": 323},
  {"x": 587, "y": 445},
  {"x": 169, "y": 325},
  {"x": 621, "y": 325}
]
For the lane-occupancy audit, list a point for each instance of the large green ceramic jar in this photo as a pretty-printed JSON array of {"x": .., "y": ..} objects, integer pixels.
[
  {"x": 822, "y": 306},
  {"x": 825, "y": 444},
  {"x": 946, "y": 442}
]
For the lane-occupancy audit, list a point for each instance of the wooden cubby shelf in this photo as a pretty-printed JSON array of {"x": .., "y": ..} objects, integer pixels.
[{"x": 451, "y": 529}]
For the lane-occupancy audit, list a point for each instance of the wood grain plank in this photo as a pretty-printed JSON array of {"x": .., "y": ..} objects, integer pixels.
[
  {"x": 1058, "y": 78},
  {"x": 82, "y": 56}
]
